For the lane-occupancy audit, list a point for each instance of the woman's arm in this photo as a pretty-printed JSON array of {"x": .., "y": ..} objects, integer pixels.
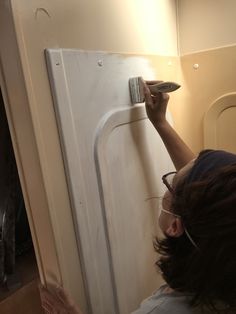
[{"x": 156, "y": 106}]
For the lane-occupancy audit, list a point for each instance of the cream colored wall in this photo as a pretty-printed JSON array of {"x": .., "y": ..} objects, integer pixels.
[
  {"x": 206, "y": 24},
  {"x": 144, "y": 27},
  {"x": 214, "y": 77},
  {"x": 207, "y": 37},
  {"x": 42, "y": 176}
]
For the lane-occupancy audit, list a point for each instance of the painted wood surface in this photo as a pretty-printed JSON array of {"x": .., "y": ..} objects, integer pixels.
[
  {"x": 114, "y": 160},
  {"x": 219, "y": 123}
]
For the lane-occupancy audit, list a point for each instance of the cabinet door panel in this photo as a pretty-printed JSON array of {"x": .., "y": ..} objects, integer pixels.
[
  {"x": 114, "y": 160},
  {"x": 226, "y": 130},
  {"x": 219, "y": 123}
]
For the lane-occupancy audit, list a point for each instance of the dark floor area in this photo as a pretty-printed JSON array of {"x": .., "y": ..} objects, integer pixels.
[{"x": 23, "y": 295}]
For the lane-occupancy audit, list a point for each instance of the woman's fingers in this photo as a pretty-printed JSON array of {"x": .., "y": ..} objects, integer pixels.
[
  {"x": 155, "y": 102},
  {"x": 147, "y": 95},
  {"x": 56, "y": 301},
  {"x": 153, "y": 82}
]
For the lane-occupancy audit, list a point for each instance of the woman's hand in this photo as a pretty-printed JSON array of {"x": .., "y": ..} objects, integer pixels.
[
  {"x": 56, "y": 301},
  {"x": 156, "y": 104}
]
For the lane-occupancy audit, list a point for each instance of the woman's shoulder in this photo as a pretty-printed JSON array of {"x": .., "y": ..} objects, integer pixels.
[{"x": 164, "y": 301}]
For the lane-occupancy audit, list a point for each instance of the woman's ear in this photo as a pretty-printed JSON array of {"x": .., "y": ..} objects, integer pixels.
[{"x": 175, "y": 228}]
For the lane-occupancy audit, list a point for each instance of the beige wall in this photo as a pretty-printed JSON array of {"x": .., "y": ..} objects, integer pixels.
[
  {"x": 145, "y": 27},
  {"x": 206, "y": 24},
  {"x": 41, "y": 172},
  {"x": 207, "y": 37},
  {"x": 214, "y": 77}
]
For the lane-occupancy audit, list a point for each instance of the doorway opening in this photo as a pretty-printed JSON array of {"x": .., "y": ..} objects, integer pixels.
[{"x": 18, "y": 267}]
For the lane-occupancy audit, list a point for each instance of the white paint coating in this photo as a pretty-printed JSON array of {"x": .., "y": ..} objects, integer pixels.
[{"x": 115, "y": 224}]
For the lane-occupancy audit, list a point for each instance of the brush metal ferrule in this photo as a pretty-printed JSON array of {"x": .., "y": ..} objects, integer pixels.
[{"x": 136, "y": 91}]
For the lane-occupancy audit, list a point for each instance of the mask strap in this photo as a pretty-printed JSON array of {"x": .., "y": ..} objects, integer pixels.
[
  {"x": 190, "y": 238},
  {"x": 185, "y": 230}
]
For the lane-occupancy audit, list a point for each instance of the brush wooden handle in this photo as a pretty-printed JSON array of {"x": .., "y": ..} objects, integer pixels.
[{"x": 164, "y": 87}]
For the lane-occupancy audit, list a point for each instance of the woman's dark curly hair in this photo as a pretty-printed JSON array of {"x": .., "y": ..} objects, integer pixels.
[{"x": 206, "y": 273}]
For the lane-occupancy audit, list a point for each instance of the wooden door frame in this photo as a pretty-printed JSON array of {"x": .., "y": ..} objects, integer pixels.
[{"x": 57, "y": 253}]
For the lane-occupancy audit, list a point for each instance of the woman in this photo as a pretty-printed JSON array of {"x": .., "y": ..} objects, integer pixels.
[{"x": 198, "y": 220}]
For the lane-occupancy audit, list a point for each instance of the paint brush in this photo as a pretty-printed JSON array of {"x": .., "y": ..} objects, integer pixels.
[{"x": 136, "y": 88}]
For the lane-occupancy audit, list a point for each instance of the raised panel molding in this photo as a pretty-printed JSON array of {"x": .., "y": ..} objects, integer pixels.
[
  {"x": 113, "y": 160},
  {"x": 213, "y": 128}
]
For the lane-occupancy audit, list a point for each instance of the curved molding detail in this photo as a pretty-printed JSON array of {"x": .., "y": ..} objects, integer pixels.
[
  {"x": 110, "y": 121},
  {"x": 114, "y": 119},
  {"x": 210, "y": 120}
]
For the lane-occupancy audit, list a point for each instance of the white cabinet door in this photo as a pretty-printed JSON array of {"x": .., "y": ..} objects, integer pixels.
[
  {"x": 219, "y": 124},
  {"x": 114, "y": 161}
]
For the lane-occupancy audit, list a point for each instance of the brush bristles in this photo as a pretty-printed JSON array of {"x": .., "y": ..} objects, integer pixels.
[{"x": 136, "y": 92}]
